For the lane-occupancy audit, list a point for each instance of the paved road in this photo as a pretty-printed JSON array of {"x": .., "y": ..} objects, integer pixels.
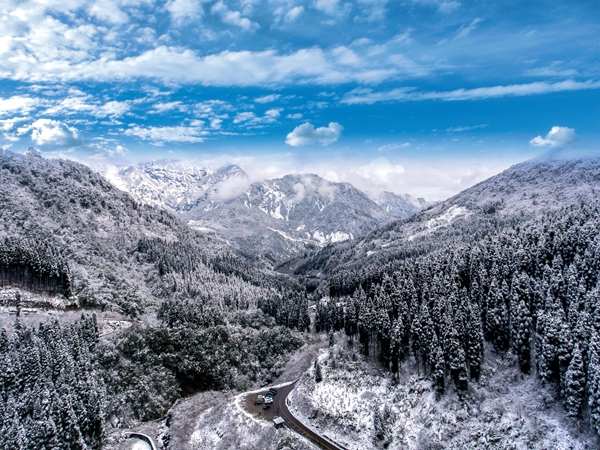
[
  {"x": 144, "y": 438},
  {"x": 280, "y": 407}
]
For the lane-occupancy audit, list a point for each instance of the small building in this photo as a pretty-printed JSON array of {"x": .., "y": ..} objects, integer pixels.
[{"x": 278, "y": 421}]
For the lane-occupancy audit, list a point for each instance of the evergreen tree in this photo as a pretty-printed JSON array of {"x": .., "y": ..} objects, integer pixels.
[
  {"x": 318, "y": 373},
  {"x": 594, "y": 380},
  {"x": 438, "y": 366},
  {"x": 575, "y": 384}
]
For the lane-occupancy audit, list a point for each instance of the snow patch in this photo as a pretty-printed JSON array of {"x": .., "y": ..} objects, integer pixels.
[
  {"x": 441, "y": 221},
  {"x": 336, "y": 236}
]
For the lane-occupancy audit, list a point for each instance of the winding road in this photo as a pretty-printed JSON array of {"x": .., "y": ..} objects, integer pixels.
[{"x": 280, "y": 408}]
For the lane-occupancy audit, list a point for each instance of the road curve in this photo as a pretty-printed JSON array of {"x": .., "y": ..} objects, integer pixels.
[
  {"x": 281, "y": 408},
  {"x": 143, "y": 437}
]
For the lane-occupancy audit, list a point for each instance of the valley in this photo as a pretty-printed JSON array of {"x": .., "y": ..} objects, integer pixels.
[{"x": 473, "y": 322}]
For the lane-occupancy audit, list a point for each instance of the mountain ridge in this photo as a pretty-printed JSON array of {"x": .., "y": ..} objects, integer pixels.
[{"x": 275, "y": 219}]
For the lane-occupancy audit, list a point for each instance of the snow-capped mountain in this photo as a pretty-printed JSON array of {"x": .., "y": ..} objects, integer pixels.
[
  {"x": 400, "y": 206},
  {"x": 275, "y": 219},
  {"x": 172, "y": 185}
]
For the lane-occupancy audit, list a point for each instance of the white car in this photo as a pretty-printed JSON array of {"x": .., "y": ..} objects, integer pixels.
[{"x": 268, "y": 401}]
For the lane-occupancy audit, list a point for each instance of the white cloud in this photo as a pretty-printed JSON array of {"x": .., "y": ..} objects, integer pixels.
[
  {"x": 553, "y": 70},
  {"x": 52, "y": 133},
  {"x": 53, "y": 60},
  {"x": 267, "y": 98},
  {"x": 557, "y": 137},
  {"x": 184, "y": 10},
  {"x": 248, "y": 118},
  {"x": 112, "y": 109},
  {"x": 461, "y": 128},
  {"x": 464, "y": 30},
  {"x": 294, "y": 116},
  {"x": 306, "y": 134},
  {"x": 443, "y": 6},
  {"x": 389, "y": 147},
  {"x": 168, "y": 106},
  {"x": 244, "y": 117},
  {"x": 233, "y": 17},
  {"x": 8, "y": 128},
  {"x": 346, "y": 56},
  {"x": 212, "y": 108},
  {"x": 293, "y": 13},
  {"x": 330, "y": 7},
  {"x": 230, "y": 188},
  {"x": 159, "y": 135},
  {"x": 87, "y": 104},
  {"x": 447, "y": 7},
  {"x": 18, "y": 104},
  {"x": 380, "y": 169},
  {"x": 362, "y": 95},
  {"x": 109, "y": 11},
  {"x": 372, "y": 10}
]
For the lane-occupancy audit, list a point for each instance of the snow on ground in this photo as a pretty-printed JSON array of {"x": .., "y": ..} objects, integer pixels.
[
  {"x": 216, "y": 421},
  {"x": 9, "y": 293},
  {"x": 442, "y": 220},
  {"x": 140, "y": 445},
  {"x": 505, "y": 410}
]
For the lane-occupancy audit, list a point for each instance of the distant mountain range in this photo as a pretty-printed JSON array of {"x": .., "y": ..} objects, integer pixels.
[{"x": 274, "y": 219}]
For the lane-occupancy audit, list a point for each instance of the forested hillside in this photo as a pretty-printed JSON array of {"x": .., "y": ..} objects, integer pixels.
[
  {"x": 530, "y": 289},
  {"x": 65, "y": 230},
  {"x": 51, "y": 397},
  {"x": 205, "y": 318}
]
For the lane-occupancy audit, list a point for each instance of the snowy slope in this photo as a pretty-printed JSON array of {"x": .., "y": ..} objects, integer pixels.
[
  {"x": 172, "y": 185},
  {"x": 361, "y": 407},
  {"x": 400, "y": 206}
]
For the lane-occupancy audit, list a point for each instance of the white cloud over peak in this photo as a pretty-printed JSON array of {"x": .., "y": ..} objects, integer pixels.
[
  {"x": 306, "y": 134},
  {"x": 557, "y": 137},
  {"x": 52, "y": 133}
]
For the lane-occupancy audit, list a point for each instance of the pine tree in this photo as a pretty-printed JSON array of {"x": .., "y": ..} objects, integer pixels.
[
  {"x": 575, "y": 384},
  {"x": 474, "y": 342},
  {"x": 594, "y": 380},
  {"x": 438, "y": 368},
  {"x": 318, "y": 373},
  {"x": 522, "y": 335}
]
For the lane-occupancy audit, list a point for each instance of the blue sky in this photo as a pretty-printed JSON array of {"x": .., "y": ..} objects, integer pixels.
[{"x": 419, "y": 96}]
